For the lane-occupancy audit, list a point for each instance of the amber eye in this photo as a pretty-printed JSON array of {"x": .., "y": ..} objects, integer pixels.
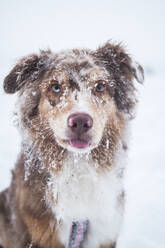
[
  {"x": 56, "y": 88},
  {"x": 100, "y": 87}
]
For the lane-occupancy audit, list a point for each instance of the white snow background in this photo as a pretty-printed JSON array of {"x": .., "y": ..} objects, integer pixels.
[{"x": 27, "y": 26}]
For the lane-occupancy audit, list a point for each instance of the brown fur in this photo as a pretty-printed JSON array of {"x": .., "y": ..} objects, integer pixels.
[{"x": 25, "y": 218}]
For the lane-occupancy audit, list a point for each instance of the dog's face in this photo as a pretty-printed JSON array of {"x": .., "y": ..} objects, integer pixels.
[
  {"x": 77, "y": 102},
  {"x": 78, "y": 99}
]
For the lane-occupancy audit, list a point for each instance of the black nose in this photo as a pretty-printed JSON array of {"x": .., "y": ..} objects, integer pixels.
[{"x": 80, "y": 123}]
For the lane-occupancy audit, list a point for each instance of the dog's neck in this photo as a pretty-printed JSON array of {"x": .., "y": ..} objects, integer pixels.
[{"x": 82, "y": 190}]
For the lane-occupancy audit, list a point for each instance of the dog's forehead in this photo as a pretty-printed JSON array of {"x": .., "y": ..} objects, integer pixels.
[
  {"x": 75, "y": 57},
  {"x": 78, "y": 65}
]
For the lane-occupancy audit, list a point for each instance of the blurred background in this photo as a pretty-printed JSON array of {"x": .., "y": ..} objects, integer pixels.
[{"x": 27, "y": 26}]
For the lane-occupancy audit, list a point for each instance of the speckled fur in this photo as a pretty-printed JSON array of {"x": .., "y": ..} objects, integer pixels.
[{"x": 28, "y": 216}]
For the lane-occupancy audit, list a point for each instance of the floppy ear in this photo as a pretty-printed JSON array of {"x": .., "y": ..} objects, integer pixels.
[
  {"x": 122, "y": 71},
  {"x": 118, "y": 61},
  {"x": 17, "y": 77},
  {"x": 25, "y": 71}
]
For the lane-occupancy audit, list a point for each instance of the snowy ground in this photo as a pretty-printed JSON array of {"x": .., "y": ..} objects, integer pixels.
[{"x": 27, "y": 26}]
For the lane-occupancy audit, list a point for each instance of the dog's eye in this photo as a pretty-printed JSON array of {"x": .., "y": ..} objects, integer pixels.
[
  {"x": 56, "y": 88},
  {"x": 100, "y": 87}
]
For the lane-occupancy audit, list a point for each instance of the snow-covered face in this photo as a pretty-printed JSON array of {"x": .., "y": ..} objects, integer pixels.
[{"x": 77, "y": 103}]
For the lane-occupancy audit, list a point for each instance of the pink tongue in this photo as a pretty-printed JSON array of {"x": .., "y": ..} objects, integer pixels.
[{"x": 78, "y": 143}]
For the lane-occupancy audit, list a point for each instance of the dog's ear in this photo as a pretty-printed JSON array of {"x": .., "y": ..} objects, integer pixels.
[
  {"x": 118, "y": 61},
  {"x": 122, "y": 71},
  {"x": 26, "y": 70}
]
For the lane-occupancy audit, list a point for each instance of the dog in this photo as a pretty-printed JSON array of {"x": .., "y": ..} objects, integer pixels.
[{"x": 73, "y": 113}]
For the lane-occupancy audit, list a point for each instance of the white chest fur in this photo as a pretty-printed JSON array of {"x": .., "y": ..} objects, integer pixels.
[{"x": 80, "y": 192}]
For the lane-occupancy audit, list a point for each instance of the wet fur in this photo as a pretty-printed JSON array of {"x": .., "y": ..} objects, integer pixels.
[{"x": 26, "y": 218}]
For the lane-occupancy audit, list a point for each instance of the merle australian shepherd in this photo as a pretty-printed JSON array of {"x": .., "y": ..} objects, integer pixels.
[{"x": 73, "y": 111}]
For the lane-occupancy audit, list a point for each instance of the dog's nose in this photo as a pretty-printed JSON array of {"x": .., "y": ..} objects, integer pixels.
[{"x": 80, "y": 123}]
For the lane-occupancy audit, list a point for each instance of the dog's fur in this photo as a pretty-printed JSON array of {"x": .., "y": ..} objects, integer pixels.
[{"x": 54, "y": 183}]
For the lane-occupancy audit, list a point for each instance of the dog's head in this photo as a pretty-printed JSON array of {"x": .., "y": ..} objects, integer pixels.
[{"x": 78, "y": 99}]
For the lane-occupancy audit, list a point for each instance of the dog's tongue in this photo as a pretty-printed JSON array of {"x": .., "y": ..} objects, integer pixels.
[{"x": 78, "y": 143}]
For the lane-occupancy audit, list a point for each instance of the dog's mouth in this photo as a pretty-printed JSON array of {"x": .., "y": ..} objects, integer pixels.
[{"x": 79, "y": 143}]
